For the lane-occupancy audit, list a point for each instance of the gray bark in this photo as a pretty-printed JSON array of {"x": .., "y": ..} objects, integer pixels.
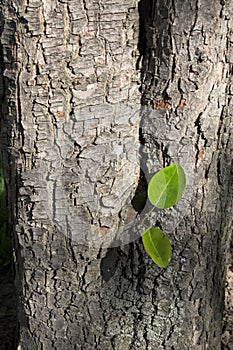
[{"x": 62, "y": 58}]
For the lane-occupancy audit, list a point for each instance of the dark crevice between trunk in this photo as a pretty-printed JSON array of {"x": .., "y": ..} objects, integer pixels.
[
  {"x": 155, "y": 48},
  {"x": 145, "y": 9},
  {"x": 139, "y": 200},
  {"x": 8, "y": 294}
]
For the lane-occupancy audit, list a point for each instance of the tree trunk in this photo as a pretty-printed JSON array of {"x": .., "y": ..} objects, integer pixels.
[{"x": 74, "y": 74}]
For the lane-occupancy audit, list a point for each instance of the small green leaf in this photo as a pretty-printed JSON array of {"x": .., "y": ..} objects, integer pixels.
[
  {"x": 158, "y": 246},
  {"x": 167, "y": 186}
]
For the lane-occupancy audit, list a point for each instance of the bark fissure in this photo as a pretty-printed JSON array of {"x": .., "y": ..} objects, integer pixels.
[{"x": 73, "y": 57}]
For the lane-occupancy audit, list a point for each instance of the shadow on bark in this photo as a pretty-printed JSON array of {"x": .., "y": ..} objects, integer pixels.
[{"x": 8, "y": 295}]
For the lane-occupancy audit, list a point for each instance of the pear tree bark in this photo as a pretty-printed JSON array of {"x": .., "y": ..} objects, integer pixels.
[{"x": 74, "y": 75}]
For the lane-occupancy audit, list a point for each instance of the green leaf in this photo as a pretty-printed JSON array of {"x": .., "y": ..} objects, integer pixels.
[
  {"x": 167, "y": 186},
  {"x": 158, "y": 246}
]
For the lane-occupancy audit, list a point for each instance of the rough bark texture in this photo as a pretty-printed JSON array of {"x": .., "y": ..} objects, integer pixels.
[
  {"x": 227, "y": 335},
  {"x": 60, "y": 56}
]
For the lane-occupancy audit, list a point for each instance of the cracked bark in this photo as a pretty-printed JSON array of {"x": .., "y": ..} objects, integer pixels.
[{"x": 60, "y": 56}]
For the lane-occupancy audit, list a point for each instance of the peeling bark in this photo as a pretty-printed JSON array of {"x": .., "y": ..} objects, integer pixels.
[{"x": 61, "y": 61}]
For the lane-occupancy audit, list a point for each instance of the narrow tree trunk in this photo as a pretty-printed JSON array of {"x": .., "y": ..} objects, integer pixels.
[{"x": 62, "y": 61}]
